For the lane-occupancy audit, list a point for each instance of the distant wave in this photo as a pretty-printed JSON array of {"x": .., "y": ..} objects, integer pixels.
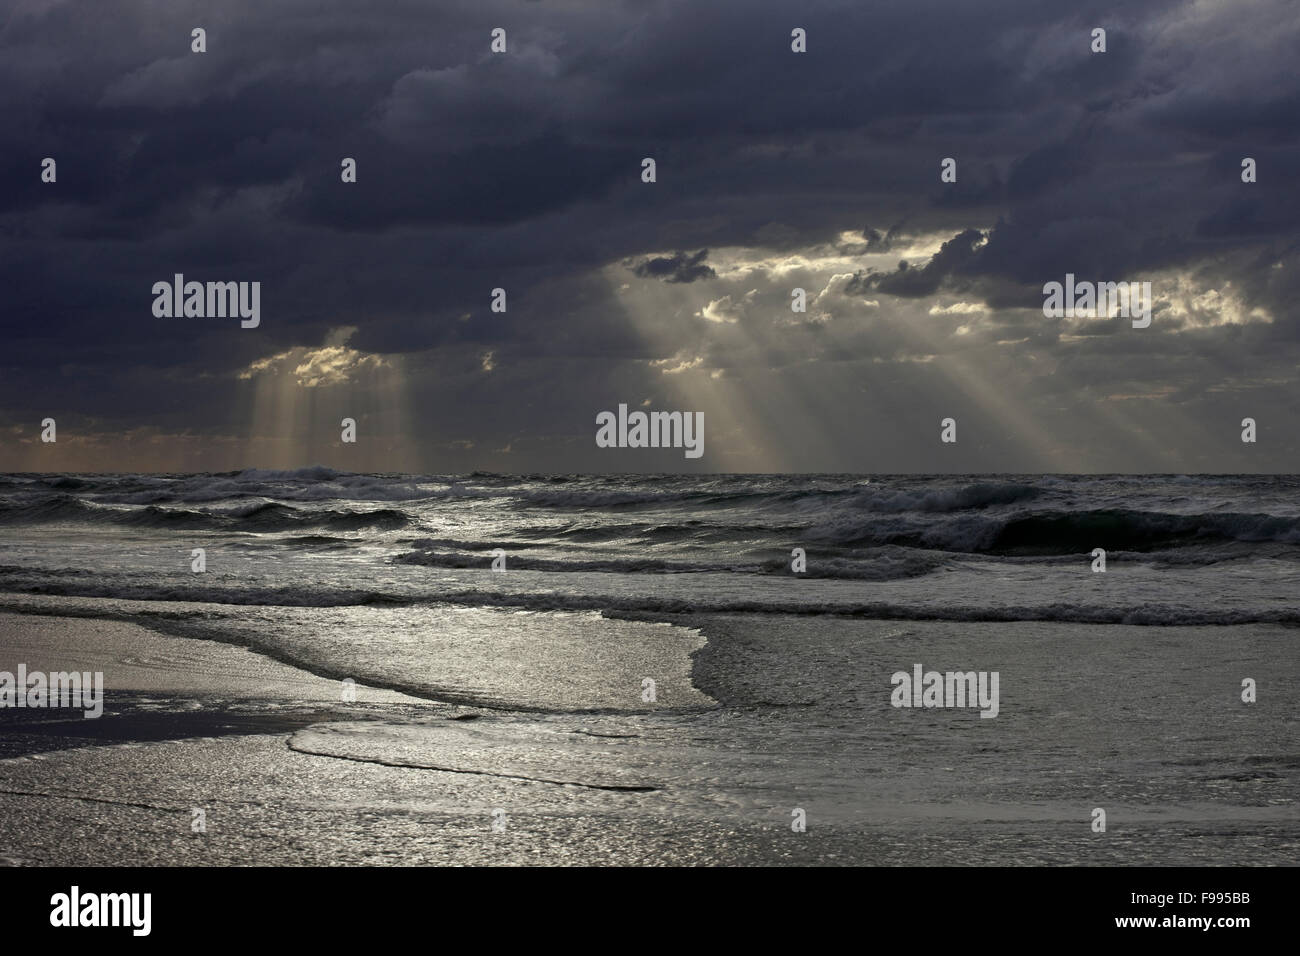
[
  {"x": 643, "y": 607},
  {"x": 970, "y": 497},
  {"x": 1060, "y": 532},
  {"x": 890, "y": 565},
  {"x": 304, "y": 484},
  {"x": 981, "y": 518},
  {"x": 263, "y": 516},
  {"x": 869, "y": 498},
  {"x": 520, "y": 562}
]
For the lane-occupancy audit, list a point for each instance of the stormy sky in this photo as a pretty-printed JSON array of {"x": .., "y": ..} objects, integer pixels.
[{"x": 775, "y": 170}]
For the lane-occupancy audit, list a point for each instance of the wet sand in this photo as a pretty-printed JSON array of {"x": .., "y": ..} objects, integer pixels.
[
  {"x": 192, "y": 725},
  {"x": 288, "y": 774}
]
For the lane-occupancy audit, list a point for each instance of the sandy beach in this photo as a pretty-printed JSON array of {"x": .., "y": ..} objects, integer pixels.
[
  {"x": 286, "y": 773},
  {"x": 201, "y": 725}
]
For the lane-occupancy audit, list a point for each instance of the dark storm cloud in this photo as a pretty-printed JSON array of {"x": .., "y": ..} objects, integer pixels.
[
  {"x": 522, "y": 171},
  {"x": 958, "y": 253},
  {"x": 878, "y": 243},
  {"x": 680, "y": 267}
]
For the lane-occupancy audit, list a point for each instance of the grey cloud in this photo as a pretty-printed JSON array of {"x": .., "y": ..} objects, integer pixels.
[{"x": 680, "y": 267}]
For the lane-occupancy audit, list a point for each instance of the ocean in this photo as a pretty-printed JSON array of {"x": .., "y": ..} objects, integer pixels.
[{"x": 715, "y": 655}]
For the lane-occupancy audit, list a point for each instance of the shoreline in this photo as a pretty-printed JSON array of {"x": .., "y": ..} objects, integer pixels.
[{"x": 286, "y": 774}]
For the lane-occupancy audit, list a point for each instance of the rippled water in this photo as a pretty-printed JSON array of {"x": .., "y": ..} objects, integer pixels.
[{"x": 771, "y": 689}]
